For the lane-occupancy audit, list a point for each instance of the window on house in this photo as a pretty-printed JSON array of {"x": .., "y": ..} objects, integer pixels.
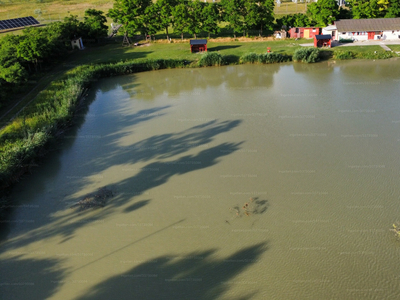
[{"x": 314, "y": 30}]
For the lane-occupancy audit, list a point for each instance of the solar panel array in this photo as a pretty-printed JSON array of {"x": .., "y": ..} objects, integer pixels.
[{"x": 17, "y": 23}]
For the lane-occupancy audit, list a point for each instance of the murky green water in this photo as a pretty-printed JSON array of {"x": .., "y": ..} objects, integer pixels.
[{"x": 313, "y": 150}]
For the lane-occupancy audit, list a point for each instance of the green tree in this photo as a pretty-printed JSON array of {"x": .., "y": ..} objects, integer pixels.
[
  {"x": 130, "y": 14},
  {"x": 323, "y": 12},
  {"x": 393, "y": 9},
  {"x": 251, "y": 15},
  {"x": 181, "y": 18},
  {"x": 94, "y": 24},
  {"x": 211, "y": 18},
  {"x": 33, "y": 46},
  {"x": 295, "y": 20},
  {"x": 195, "y": 11},
  {"x": 265, "y": 15},
  {"x": 233, "y": 14},
  {"x": 366, "y": 9},
  {"x": 14, "y": 73},
  {"x": 71, "y": 27},
  {"x": 11, "y": 66},
  {"x": 163, "y": 14}
]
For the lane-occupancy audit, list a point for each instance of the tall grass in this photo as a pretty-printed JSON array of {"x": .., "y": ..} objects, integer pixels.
[
  {"x": 209, "y": 59},
  {"x": 346, "y": 54},
  {"x": 266, "y": 58},
  {"x": 307, "y": 55}
]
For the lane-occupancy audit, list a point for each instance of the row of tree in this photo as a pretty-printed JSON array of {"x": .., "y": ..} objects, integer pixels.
[{"x": 193, "y": 17}]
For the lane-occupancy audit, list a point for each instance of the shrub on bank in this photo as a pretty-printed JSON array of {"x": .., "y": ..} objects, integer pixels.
[
  {"x": 249, "y": 58},
  {"x": 266, "y": 58},
  {"x": 270, "y": 58},
  {"x": 307, "y": 55},
  {"x": 209, "y": 59}
]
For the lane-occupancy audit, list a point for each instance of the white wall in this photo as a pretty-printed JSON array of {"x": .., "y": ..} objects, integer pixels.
[
  {"x": 363, "y": 36},
  {"x": 389, "y": 35}
]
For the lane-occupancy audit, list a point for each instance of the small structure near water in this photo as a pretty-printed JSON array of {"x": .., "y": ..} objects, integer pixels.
[
  {"x": 77, "y": 43},
  {"x": 323, "y": 40},
  {"x": 198, "y": 45}
]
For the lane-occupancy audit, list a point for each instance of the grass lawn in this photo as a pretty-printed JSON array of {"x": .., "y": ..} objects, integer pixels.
[
  {"x": 394, "y": 47},
  {"x": 360, "y": 48},
  {"x": 116, "y": 52}
]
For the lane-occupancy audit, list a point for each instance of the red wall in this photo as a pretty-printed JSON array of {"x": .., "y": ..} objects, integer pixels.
[{"x": 300, "y": 33}]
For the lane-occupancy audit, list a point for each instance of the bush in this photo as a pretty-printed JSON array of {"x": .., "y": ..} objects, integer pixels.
[
  {"x": 249, "y": 58},
  {"x": 343, "y": 55},
  {"x": 270, "y": 58},
  {"x": 307, "y": 55},
  {"x": 345, "y": 40},
  {"x": 211, "y": 59},
  {"x": 267, "y": 58}
]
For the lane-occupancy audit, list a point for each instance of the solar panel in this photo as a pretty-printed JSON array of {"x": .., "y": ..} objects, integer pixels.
[{"x": 17, "y": 23}]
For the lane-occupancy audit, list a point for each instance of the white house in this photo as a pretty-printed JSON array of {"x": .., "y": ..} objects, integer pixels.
[{"x": 365, "y": 29}]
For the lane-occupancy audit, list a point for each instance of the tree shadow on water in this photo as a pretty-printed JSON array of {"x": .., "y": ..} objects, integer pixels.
[
  {"x": 195, "y": 276},
  {"x": 23, "y": 278},
  {"x": 154, "y": 174}
]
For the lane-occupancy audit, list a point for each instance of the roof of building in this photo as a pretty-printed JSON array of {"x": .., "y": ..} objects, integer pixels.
[
  {"x": 323, "y": 36},
  {"x": 329, "y": 28},
  {"x": 368, "y": 24},
  {"x": 198, "y": 42}
]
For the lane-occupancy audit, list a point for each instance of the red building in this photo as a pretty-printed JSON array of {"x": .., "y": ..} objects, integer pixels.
[
  {"x": 198, "y": 45},
  {"x": 304, "y": 32},
  {"x": 323, "y": 40}
]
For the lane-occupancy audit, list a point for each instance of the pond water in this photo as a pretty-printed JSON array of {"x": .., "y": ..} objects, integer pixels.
[{"x": 239, "y": 182}]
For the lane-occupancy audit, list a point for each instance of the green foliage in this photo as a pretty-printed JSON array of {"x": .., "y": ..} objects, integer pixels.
[
  {"x": 393, "y": 9},
  {"x": 211, "y": 17},
  {"x": 306, "y": 55},
  {"x": 341, "y": 40},
  {"x": 270, "y": 58},
  {"x": 323, "y": 12},
  {"x": 249, "y": 58},
  {"x": 295, "y": 20},
  {"x": 14, "y": 73},
  {"x": 159, "y": 16},
  {"x": 266, "y": 58},
  {"x": 366, "y": 9},
  {"x": 233, "y": 11},
  {"x": 265, "y": 15},
  {"x": 211, "y": 59},
  {"x": 346, "y": 54},
  {"x": 181, "y": 18},
  {"x": 130, "y": 13},
  {"x": 94, "y": 24}
]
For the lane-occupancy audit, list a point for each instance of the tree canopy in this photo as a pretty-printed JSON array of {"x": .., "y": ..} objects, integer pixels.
[{"x": 130, "y": 13}]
